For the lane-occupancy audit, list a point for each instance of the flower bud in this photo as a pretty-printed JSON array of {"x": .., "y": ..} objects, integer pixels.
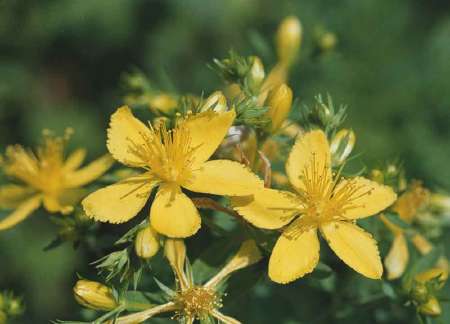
[
  {"x": 163, "y": 102},
  {"x": 440, "y": 203},
  {"x": 94, "y": 295},
  {"x": 342, "y": 145},
  {"x": 256, "y": 74},
  {"x": 15, "y": 307},
  {"x": 146, "y": 244},
  {"x": 431, "y": 307},
  {"x": 327, "y": 41},
  {"x": 288, "y": 39},
  {"x": 438, "y": 274},
  {"x": 419, "y": 293},
  {"x": 216, "y": 102},
  {"x": 280, "y": 103},
  {"x": 377, "y": 176}
]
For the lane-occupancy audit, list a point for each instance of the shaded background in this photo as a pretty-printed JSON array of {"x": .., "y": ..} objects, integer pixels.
[{"x": 61, "y": 63}]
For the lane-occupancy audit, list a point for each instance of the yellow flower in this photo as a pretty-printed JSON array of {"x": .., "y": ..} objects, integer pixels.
[
  {"x": 407, "y": 206},
  {"x": 323, "y": 203},
  {"x": 46, "y": 177},
  {"x": 192, "y": 301},
  {"x": 94, "y": 295},
  {"x": 171, "y": 159}
]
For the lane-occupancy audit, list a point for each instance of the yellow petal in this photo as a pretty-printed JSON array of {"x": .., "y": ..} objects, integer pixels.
[
  {"x": 368, "y": 198},
  {"x": 355, "y": 247},
  {"x": 75, "y": 160},
  {"x": 267, "y": 208},
  {"x": 207, "y": 130},
  {"x": 224, "y": 177},
  {"x": 421, "y": 243},
  {"x": 173, "y": 214},
  {"x": 293, "y": 256},
  {"x": 119, "y": 202},
  {"x": 13, "y": 195},
  {"x": 22, "y": 212},
  {"x": 89, "y": 173},
  {"x": 223, "y": 318},
  {"x": 175, "y": 252},
  {"x": 397, "y": 258},
  {"x": 126, "y": 137},
  {"x": 277, "y": 76},
  {"x": 310, "y": 150},
  {"x": 53, "y": 205},
  {"x": 247, "y": 255}
]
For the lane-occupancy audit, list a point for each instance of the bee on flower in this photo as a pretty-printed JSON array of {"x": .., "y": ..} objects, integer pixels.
[
  {"x": 171, "y": 160},
  {"x": 46, "y": 177},
  {"x": 323, "y": 201}
]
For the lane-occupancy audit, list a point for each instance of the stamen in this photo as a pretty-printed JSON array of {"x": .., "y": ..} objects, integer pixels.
[
  {"x": 196, "y": 302},
  {"x": 167, "y": 153}
]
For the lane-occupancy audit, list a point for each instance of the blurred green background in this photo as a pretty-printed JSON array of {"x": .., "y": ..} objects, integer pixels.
[{"x": 61, "y": 63}]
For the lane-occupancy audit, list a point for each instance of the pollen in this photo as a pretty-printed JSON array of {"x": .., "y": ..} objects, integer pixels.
[
  {"x": 166, "y": 153},
  {"x": 197, "y": 302}
]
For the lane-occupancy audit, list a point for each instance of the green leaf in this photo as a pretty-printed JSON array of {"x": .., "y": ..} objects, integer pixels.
[{"x": 169, "y": 292}]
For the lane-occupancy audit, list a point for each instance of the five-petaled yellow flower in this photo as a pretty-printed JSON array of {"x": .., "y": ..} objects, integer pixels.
[
  {"x": 323, "y": 202},
  {"x": 46, "y": 178},
  {"x": 172, "y": 159}
]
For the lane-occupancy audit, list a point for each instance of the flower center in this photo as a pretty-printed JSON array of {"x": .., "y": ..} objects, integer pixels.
[
  {"x": 43, "y": 170},
  {"x": 197, "y": 302},
  {"x": 167, "y": 153},
  {"x": 325, "y": 197}
]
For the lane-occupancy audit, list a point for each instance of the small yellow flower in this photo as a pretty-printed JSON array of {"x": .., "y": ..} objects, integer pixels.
[
  {"x": 94, "y": 295},
  {"x": 46, "y": 177},
  {"x": 171, "y": 159},
  {"x": 146, "y": 244},
  {"x": 407, "y": 206},
  {"x": 330, "y": 205},
  {"x": 191, "y": 301}
]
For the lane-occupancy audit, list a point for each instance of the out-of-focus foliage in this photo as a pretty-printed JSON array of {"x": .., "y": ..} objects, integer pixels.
[{"x": 62, "y": 62}]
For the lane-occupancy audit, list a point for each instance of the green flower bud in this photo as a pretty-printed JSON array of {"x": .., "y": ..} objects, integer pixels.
[
  {"x": 342, "y": 145},
  {"x": 430, "y": 308}
]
